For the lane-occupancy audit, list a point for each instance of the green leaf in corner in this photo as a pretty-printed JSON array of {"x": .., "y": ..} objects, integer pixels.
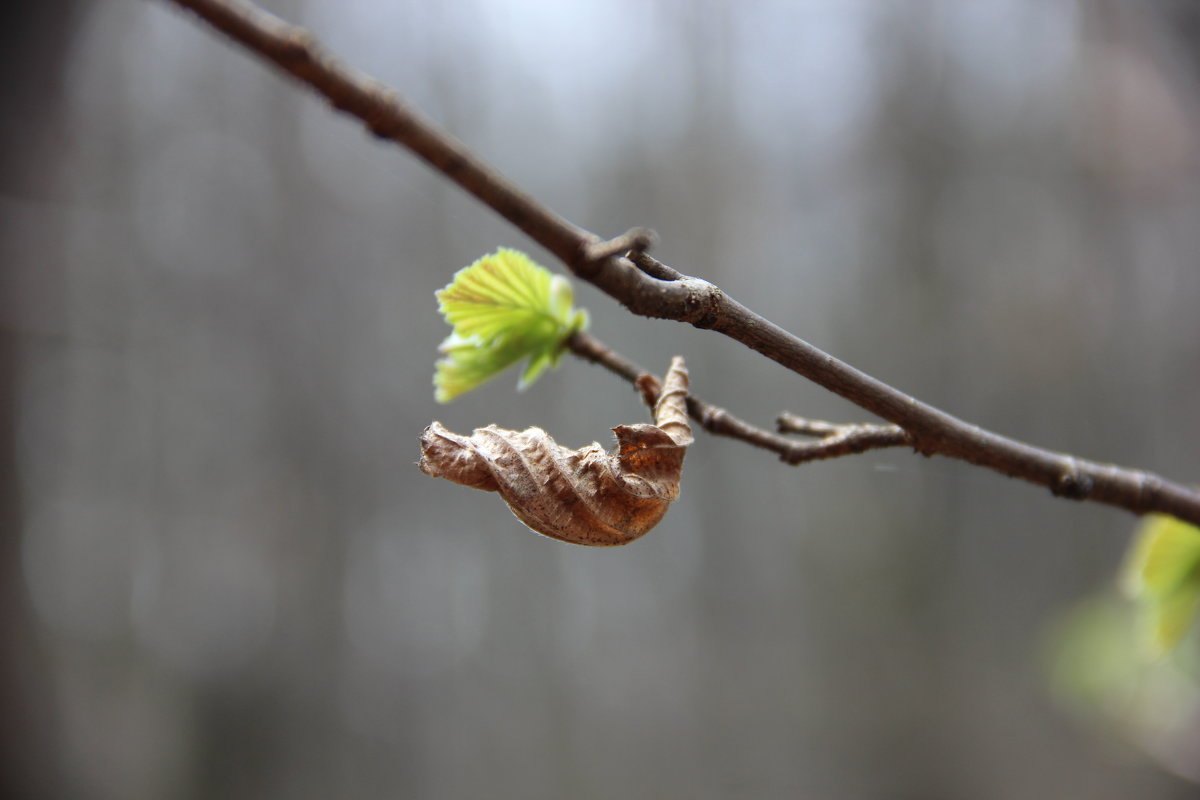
[
  {"x": 1162, "y": 573},
  {"x": 503, "y": 308}
]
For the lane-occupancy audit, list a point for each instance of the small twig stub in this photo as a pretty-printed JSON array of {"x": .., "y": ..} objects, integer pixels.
[{"x": 587, "y": 496}]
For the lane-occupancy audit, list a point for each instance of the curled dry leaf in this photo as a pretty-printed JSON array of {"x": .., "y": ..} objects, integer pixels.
[{"x": 586, "y": 496}]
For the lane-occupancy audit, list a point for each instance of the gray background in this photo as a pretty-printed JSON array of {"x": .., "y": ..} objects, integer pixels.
[{"x": 224, "y": 575}]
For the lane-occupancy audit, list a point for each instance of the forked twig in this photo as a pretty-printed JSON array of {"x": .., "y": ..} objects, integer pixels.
[
  {"x": 840, "y": 439},
  {"x": 711, "y": 418}
]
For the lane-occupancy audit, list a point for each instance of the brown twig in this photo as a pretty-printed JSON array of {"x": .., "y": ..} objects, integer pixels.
[
  {"x": 654, "y": 290},
  {"x": 839, "y": 439},
  {"x": 711, "y": 418}
]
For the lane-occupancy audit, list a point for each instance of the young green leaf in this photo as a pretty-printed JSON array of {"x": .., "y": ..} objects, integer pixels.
[
  {"x": 503, "y": 308},
  {"x": 1162, "y": 573}
]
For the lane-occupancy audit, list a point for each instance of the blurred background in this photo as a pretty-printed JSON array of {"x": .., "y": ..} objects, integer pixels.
[{"x": 223, "y": 575}]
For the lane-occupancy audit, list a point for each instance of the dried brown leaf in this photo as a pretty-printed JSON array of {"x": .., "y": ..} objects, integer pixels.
[{"x": 586, "y": 496}]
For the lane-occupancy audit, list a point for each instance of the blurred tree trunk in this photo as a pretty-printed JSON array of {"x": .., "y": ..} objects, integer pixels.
[{"x": 34, "y": 39}]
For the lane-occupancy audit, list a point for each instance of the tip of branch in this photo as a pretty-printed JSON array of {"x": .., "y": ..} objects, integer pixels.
[
  {"x": 634, "y": 240},
  {"x": 641, "y": 239}
]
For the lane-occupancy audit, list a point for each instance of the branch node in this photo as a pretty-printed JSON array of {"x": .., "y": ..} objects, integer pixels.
[
  {"x": 1148, "y": 488},
  {"x": 381, "y": 120},
  {"x": 1072, "y": 483},
  {"x": 703, "y": 304},
  {"x": 297, "y": 46}
]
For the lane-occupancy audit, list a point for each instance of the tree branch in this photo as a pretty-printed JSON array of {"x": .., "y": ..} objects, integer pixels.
[{"x": 652, "y": 289}]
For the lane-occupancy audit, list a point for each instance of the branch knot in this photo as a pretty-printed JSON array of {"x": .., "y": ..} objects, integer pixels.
[
  {"x": 702, "y": 303},
  {"x": 1072, "y": 483}
]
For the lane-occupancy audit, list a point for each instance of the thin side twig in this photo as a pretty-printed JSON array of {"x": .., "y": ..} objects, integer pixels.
[
  {"x": 711, "y": 418},
  {"x": 835, "y": 440},
  {"x": 652, "y": 289},
  {"x": 839, "y": 439},
  {"x": 633, "y": 242}
]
